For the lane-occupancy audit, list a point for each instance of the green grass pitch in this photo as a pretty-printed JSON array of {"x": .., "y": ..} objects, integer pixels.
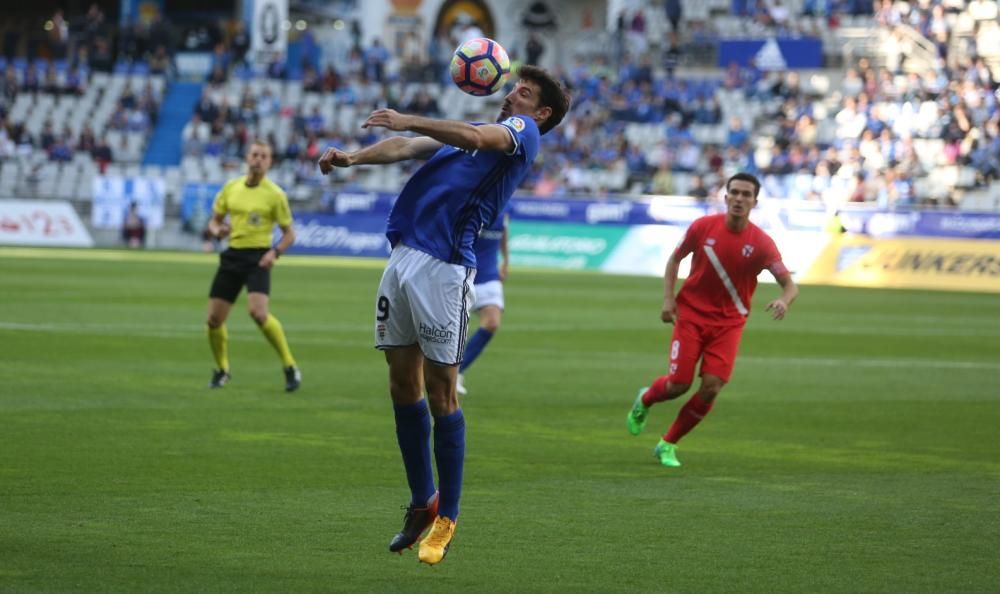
[{"x": 855, "y": 450}]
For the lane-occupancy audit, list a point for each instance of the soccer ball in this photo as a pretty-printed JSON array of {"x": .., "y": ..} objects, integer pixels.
[{"x": 480, "y": 67}]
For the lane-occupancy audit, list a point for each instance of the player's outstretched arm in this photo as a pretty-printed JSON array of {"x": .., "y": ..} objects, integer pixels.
[
  {"x": 490, "y": 137},
  {"x": 789, "y": 291},
  {"x": 389, "y": 150}
]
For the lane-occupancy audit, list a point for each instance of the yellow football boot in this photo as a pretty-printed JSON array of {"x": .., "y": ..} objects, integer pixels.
[{"x": 435, "y": 545}]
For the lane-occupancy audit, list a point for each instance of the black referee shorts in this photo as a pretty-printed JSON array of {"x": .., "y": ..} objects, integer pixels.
[{"x": 238, "y": 267}]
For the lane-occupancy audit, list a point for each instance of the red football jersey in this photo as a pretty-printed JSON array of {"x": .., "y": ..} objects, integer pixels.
[{"x": 724, "y": 269}]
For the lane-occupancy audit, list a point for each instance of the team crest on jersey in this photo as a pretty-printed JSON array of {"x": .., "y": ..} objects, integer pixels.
[
  {"x": 710, "y": 241},
  {"x": 747, "y": 250},
  {"x": 515, "y": 123}
]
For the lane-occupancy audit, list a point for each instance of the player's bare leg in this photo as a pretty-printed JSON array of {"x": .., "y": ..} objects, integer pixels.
[
  {"x": 441, "y": 394},
  {"x": 710, "y": 387},
  {"x": 218, "y": 339},
  {"x": 406, "y": 374}
]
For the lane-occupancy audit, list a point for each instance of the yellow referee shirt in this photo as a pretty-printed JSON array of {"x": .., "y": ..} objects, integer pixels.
[{"x": 252, "y": 211}]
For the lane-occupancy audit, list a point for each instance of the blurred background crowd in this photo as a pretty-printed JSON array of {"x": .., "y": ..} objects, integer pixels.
[{"x": 902, "y": 113}]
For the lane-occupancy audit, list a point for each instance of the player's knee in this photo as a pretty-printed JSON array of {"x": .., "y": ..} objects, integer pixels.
[
  {"x": 491, "y": 326},
  {"x": 214, "y": 321},
  {"x": 710, "y": 388},
  {"x": 675, "y": 390},
  {"x": 442, "y": 403},
  {"x": 404, "y": 390},
  {"x": 259, "y": 316},
  {"x": 707, "y": 395}
]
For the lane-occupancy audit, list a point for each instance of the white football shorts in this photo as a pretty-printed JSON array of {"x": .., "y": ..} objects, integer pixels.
[
  {"x": 423, "y": 300},
  {"x": 488, "y": 293}
]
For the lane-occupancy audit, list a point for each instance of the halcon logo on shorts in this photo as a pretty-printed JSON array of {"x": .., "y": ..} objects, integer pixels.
[{"x": 432, "y": 333}]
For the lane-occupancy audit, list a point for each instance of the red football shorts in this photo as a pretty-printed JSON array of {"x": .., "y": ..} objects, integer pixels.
[{"x": 715, "y": 345}]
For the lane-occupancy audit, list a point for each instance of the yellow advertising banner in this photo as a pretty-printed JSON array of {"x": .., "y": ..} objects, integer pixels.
[{"x": 911, "y": 263}]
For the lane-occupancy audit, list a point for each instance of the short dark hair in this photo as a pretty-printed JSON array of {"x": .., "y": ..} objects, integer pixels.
[
  {"x": 262, "y": 142},
  {"x": 747, "y": 177},
  {"x": 554, "y": 94}
]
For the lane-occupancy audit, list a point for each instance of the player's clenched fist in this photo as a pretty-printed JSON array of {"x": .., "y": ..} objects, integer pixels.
[
  {"x": 333, "y": 157},
  {"x": 669, "y": 311}
]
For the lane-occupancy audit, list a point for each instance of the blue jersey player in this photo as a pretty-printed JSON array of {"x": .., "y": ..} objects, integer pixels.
[
  {"x": 492, "y": 260},
  {"x": 422, "y": 306}
]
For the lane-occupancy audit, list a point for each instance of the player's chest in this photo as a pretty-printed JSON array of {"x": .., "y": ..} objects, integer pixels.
[{"x": 733, "y": 250}]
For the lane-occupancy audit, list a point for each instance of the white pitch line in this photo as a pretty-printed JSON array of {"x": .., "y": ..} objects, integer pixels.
[
  {"x": 339, "y": 336},
  {"x": 887, "y": 363}
]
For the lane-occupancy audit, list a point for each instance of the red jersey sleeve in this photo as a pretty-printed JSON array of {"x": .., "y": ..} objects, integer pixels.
[
  {"x": 690, "y": 241},
  {"x": 772, "y": 259}
]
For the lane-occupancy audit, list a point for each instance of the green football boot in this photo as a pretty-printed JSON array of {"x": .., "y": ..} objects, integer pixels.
[
  {"x": 637, "y": 416},
  {"x": 666, "y": 453}
]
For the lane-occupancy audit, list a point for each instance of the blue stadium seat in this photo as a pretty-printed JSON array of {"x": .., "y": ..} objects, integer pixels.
[{"x": 243, "y": 72}]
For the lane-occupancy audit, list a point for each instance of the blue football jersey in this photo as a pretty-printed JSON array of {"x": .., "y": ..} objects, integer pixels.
[
  {"x": 446, "y": 203},
  {"x": 488, "y": 250}
]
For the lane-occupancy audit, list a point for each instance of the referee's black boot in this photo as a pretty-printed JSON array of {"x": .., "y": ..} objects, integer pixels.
[
  {"x": 220, "y": 378},
  {"x": 293, "y": 379}
]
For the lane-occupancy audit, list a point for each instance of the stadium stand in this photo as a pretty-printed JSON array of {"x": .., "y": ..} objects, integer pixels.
[{"x": 908, "y": 115}]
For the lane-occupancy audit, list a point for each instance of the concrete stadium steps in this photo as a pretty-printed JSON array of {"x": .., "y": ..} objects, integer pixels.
[{"x": 165, "y": 146}]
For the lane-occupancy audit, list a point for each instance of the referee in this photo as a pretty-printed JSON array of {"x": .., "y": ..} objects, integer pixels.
[{"x": 254, "y": 205}]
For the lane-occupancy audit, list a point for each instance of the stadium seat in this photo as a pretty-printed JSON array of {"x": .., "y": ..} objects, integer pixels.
[
  {"x": 682, "y": 182},
  {"x": 66, "y": 185},
  {"x": 964, "y": 25},
  {"x": 983, "y": 11},
  {"x": 988, "y": 39},
  {"x": 966, "y": 177}
]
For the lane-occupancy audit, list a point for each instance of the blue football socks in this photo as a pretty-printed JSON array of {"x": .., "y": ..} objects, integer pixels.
[
  {"x": 449, "y": 453},
  {"x": 413, "y": 432}
]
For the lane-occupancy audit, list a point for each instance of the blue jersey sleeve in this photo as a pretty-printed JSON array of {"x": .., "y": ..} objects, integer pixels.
[{"x": 526, "y": 137}]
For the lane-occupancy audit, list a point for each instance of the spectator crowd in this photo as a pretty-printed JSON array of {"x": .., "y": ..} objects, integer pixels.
[{"x": 877, "y": 135}]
